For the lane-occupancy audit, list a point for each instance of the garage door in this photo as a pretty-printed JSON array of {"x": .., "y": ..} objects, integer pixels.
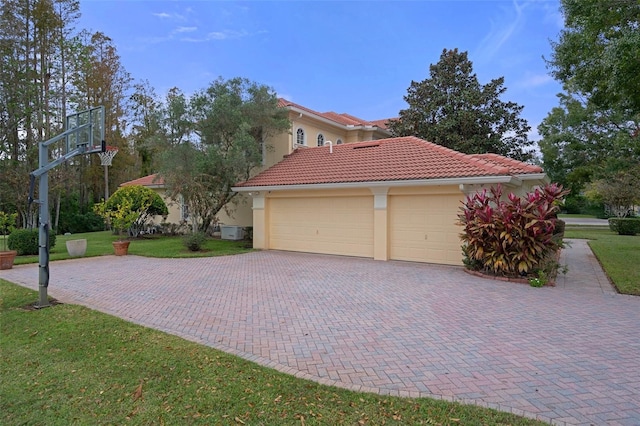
[
  {"x": 422, "y": 228},
  {"x": 331, "y": 225}
]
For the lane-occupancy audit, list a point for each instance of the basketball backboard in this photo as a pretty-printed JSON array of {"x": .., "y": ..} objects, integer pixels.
[{"x": 89, "y": 125}]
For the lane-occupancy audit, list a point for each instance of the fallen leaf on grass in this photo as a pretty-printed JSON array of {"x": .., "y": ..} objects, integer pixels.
[{"x": 138, "y": 393}]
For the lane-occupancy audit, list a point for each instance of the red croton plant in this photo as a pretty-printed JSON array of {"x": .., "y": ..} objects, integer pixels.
[{"x": 513, "y": 236}]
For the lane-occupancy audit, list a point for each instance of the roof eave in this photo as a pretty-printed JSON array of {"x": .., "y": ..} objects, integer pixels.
[
  {"x": 348, "y": 127},
  {"x": 505, "y": 179}
]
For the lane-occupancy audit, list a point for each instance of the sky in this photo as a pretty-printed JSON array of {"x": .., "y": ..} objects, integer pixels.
[{"x": 355, "y": 57}]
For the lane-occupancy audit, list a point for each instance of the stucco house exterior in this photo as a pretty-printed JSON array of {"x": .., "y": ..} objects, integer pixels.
[
  {"x": 364, "y": 194},
  {"x": 394, "y": 198},
  {"x": 309, "y": 128}
]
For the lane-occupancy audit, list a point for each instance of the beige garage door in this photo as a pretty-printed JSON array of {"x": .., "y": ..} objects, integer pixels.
[
  {"x": 331, "y": 225},
  {"x": 422, "y": 228}
]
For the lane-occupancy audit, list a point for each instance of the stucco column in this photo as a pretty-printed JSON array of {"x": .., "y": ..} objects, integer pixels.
[
  {"x": 260, "y": 237},
  {"x": 380, "y": 224}
]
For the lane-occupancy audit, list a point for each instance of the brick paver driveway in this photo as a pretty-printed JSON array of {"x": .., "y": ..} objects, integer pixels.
[{"x": 559, "y": 354}]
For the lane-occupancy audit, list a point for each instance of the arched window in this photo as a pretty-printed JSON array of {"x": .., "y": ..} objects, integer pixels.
[
  {"x": 300, "y": 136},
  {"x": 339, "y": 142},
  {"x": 320, "y": 139}
]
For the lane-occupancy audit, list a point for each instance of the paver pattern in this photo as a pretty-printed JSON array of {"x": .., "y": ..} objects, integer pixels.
[{"x": 567, "y": 354}]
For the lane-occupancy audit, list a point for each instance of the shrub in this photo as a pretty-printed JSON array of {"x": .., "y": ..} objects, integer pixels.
[
  {"x": 7, "y": 226},
  {"x": 512, "y": 237},
  {"x": 625, "y": 225},
  {"x": 194, "y": 241},
  {"x": 25, "y": 241},
  {"x": 130, "y": 207}
]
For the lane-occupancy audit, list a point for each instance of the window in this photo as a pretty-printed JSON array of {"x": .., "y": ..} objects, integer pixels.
[
  {"x": 339, "y": 142},
  {"x": 300, "y": 136},
  {"x": 320, "y": 139}
]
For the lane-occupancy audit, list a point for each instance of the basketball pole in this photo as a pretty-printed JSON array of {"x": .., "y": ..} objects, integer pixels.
[{"x": 42, "y": 174}]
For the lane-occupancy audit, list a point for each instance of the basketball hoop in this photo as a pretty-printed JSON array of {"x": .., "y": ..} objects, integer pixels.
[{"x": 107, "y": 156}]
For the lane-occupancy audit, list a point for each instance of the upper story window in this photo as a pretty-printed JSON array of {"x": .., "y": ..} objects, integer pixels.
[
  {"x": 320, "y": 139},
  {"x": 300, "y": 136},
  {"x": 339, "y": 142}
]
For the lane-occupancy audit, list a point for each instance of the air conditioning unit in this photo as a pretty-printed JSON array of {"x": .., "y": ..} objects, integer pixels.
[{"x": 229, "y": 232}]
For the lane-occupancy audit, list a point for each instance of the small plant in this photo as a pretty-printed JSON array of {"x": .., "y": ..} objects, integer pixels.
[
  {"x": 194, "y": 241},
  {"x": 7, "y": 226},
  {"x": 540, "y": 281}
]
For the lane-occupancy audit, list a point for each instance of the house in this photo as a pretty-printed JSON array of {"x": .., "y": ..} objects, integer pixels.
[
  {"x": 309, "y": 128},
  {"x": 394, "y": 198}
]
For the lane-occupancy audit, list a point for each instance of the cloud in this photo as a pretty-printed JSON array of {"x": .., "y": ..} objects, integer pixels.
[
  {"x": 185, "y": 30},
  {"x": 162, "y": 15},
  {"x": 217, "y": 35},
  {"x": 502, "y": 29},
  {"x": 534, "y": 80}
]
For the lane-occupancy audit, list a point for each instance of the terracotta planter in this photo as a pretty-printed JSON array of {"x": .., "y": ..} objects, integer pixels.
[
  {"x": 7, "y": 258},
  {"x": 76, "y": 248},
  {"x": 121, "y": 248}
]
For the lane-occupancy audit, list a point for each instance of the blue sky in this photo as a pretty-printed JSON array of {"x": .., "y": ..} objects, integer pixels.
[{"x": 357, "y": 57}]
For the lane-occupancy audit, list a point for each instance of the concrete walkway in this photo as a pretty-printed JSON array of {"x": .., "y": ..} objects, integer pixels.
[{"x": 567, "y": 355}]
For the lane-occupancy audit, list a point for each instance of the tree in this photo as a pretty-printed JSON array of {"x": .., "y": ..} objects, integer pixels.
[
  {"x": 619, "y": 192},
  {"x": 598, "y": 50},
  {"x": 451, "y": 108},
  {"x": 593, "y": 136},
  {"x": 130, "y": 207},
  {"x": 216, "y": 140},
  {"x": 145, "y": 126}
]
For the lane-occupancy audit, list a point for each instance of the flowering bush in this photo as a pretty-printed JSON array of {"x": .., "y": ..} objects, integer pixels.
[
  {"x": 512, "y": 237},
  {"x": 130, "y": 207}
]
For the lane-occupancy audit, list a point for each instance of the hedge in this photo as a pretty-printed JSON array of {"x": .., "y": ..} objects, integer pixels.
[
  {"x": 25, "y": 241},
  {"x": 625, "y": 225}
]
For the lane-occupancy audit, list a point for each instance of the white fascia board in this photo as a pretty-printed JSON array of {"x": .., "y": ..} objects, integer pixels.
[
  {"x": 508, "y": 180},
  {"x": 335, "y": 123},
  {"x": 535, "y": 176}
]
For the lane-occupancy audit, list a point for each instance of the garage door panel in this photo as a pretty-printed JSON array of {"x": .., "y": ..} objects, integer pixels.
[
  {"x": 423, "y": 229},
  {"x": 333, "y": 225}
]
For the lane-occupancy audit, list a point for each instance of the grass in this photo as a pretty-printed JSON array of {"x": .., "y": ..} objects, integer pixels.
[
  {"x": 69, "y": 364},
  {"x": 618, "y": 254},
  {"x": 99, "y": 244}
]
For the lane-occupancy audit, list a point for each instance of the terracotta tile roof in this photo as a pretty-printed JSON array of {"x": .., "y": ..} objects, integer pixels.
[
  {"x": 344, "y": 119},
  {"x": 403, "y": 158},
  {"x": 514, "y": 166},
  {"x": 151, "y": 180}
]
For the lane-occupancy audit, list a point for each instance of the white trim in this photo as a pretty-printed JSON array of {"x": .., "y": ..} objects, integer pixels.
[
  {"x": 509, "y": 180},
  {"x": 335, "y": 123}
]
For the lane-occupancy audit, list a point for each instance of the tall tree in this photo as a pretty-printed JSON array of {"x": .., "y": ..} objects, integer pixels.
[
  {"x": 598, "y": 52},
  {"x": 218, "y": 143},
  {"x": 145, "y": 127},
  {"x": 30, "y": 40},
  {"x": 452, "y": 108},
  {"x": 594, "y": 135},
  {"x": 102, "y": 80}
]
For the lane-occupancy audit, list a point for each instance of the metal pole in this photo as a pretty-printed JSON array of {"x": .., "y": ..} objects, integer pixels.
[
  {"x": 43, "y": 227},
  {"x": 106, "y": 183}
]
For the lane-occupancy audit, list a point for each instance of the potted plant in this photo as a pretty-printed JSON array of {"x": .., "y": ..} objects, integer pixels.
[
  {"x": 128, "y": 210},
  {"x": 121, "y": 217},
  {"x": 7, "y": 226}
]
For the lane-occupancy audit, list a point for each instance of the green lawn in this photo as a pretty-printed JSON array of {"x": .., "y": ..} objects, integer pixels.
[
  {"x": 70, "y": 365},
  {"x": 618, "y": 254},
  {"x": 99, "y": 244}
]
